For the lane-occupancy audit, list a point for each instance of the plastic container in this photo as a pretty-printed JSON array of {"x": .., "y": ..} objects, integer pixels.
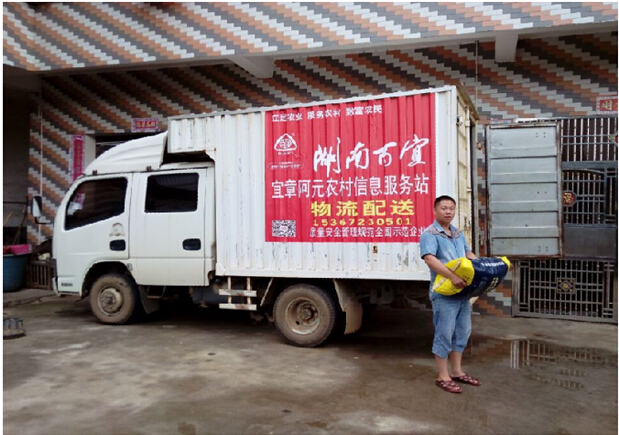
[
  {"x": 19, "y": 249},
  {"x": 13, "y": 271}
]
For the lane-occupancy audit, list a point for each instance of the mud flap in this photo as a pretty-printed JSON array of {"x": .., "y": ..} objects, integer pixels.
[
  {"x": 349, "y": 304},
  {"x": 150, "y": 305}
]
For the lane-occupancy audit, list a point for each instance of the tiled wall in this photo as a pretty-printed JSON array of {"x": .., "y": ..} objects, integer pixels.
[{"x": 60, "y": 35}]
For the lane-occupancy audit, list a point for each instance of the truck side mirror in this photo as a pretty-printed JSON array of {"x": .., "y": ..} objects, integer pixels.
[
  {"x": 35, "y": 206},
  {"x": 36, "y": 209}
]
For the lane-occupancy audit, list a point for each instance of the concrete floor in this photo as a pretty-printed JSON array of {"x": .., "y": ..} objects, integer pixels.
[{"x": 192, "y": 371}]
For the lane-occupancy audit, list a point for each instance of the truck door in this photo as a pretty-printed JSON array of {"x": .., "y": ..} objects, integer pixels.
[
  {"x": 167, "y": 234},
  {"x": 524, "y": 176},
  {"x": 91, "y": 226},
  {"x": 465, "y": 192}
]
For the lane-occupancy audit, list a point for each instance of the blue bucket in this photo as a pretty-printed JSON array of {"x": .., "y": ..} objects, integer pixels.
[{"x": 13, "y": 271}]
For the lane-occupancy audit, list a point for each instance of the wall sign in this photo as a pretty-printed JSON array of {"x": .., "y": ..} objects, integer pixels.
[
  {"x": 606, "y": 104},
  {"x": 144, "y": 125},
  {"x": 77, "y": 155}
]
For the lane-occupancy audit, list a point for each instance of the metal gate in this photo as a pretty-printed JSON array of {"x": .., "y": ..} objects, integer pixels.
[
  {"x": 582, "y": 283},
  {"x": 562, "y": 288}
]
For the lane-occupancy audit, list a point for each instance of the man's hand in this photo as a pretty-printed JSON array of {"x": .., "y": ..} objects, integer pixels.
[
  {"x": 434, "y": 264},
  {"x": 457, "y": 281}
]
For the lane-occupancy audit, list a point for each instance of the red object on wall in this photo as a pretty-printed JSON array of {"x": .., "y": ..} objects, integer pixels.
[
  {"x": 144, "y": 125},
  {"x": 77, "y": 147},
  {"x": 606, "y": 104},
  {"x": 569, "y": 198},
  {"x": 362, "y": 171}
]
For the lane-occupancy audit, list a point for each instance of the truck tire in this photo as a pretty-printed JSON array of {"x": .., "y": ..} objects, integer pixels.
[
  {"x": 305, "y": 315},
  {"x": 113, "y": 298}
]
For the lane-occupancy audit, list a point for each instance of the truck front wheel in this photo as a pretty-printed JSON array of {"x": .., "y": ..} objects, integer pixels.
[
  {"x": 305, "y": 315},
  {"x": 113, "y": 298}
]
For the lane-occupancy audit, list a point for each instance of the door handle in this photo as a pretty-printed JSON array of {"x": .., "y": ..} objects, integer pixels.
[
  {"x": 118, "y": 245},
  {"x": 192, "y": 244}
]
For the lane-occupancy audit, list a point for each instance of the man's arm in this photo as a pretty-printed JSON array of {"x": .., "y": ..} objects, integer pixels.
[
  {"x": 471, "y": 256},
  {"x": 438, "y": 267},
  {"x": 468, "y": 252}
]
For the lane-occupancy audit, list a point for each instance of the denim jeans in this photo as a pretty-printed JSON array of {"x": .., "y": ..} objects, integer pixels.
[{"x": 452, "y": 325}]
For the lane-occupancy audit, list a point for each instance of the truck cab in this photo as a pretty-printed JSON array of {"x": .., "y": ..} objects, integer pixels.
[{"x": 156, "y": 226}]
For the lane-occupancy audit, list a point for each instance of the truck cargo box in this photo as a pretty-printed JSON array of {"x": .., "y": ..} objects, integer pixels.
[{"x": 337, "y": 189}]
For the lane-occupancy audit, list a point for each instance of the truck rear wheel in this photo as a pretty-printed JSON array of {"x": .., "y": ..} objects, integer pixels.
[
  {"x": 305, "y": 315},
  {"x": 113, "y": 298}
]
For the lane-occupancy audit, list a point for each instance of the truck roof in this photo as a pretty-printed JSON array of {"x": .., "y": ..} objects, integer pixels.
[
  {"x": 135, "y": 155},
  {"x": 141, "y": 155}
]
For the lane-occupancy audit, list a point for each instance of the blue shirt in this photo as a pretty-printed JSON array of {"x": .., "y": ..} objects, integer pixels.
[{"x": 436, "y": 242}]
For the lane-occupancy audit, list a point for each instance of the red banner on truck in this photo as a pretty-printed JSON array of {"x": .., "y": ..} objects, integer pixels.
[{"x": 362, "y": 171}]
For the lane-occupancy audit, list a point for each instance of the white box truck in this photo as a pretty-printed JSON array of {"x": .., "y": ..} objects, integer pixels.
[{"x": 303, "y": 212}]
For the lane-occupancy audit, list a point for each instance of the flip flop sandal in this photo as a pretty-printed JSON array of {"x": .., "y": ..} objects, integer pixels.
[
  {"x": 449, "y": 386},
  {"x": 466, "y": 379}
]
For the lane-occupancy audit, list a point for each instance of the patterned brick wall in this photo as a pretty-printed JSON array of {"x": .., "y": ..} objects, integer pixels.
[
  {"x": 57, "y": 35},
  {"x": 550, "y": 77}
]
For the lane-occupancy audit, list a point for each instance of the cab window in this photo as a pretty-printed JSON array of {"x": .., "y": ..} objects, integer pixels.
[
  {"x": 172, "y": 193},
  {"x": 94, "y": 201}
]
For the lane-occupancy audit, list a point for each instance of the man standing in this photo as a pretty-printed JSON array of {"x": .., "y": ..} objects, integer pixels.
[{"x": 440, "y": 243}]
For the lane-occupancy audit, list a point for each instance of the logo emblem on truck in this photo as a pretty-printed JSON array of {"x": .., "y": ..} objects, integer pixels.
[{"x": 285, "y": 144}]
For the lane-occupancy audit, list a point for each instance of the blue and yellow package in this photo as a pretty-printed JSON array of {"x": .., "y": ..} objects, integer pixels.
[{"x": 481, "y": 276}]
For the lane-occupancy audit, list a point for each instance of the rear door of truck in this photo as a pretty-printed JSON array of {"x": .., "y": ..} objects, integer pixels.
[{"x": 464, "y": 134}]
